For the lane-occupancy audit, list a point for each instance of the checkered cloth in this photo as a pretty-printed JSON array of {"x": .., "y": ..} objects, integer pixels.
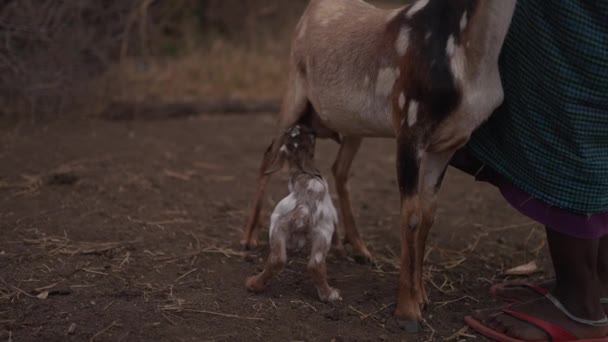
[{"x": 550, "y": 138}]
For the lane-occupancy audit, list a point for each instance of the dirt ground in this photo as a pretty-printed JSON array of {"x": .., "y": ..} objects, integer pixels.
[{"x": 115, "y": 231}]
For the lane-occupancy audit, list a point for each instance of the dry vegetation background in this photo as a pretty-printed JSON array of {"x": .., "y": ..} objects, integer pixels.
[{"x": 61, "y": 57}]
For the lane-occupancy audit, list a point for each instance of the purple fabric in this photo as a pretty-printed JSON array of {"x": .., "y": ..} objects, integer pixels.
[{"x": 561, "y": 220}]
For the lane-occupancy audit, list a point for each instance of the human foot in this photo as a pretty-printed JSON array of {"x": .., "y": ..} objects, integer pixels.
[
  {"x": 520, "y": 292},
  {"x": 524, "y": 322}
]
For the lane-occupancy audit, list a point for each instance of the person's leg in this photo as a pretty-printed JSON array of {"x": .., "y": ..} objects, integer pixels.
[
  {"x": 518, "y": 293},
  {"x": 602, "y": 268},
  {"x": 577, "y": 287}
]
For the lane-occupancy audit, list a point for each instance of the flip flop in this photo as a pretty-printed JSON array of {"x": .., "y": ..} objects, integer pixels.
[
  {"x": 533, "y": 287},
  {"x": 557, "y": 334}
]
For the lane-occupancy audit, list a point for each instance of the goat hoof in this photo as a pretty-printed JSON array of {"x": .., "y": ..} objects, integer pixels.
[
  {"x": 248, "y": 246},
  {"x": 411, "y": 327},
  {"x": 363, "y": 260}
]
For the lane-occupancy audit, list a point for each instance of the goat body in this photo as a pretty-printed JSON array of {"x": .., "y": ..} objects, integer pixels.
[{"x": 425, "y": 74}]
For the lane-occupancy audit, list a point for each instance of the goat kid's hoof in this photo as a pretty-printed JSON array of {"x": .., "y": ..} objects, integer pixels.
[
  {"x": 249, "y": 246},
  {"x": 411, "y": 327},
  {"x": 253, "y": 284},
  {"x": 332, "y": 296},
  {"x": 364, "y": 260}
]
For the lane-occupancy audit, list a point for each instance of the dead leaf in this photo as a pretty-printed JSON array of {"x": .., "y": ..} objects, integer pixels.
[
  {"x": 526, "y": 269},
  {"x": 208, "y": 166},
  {"x": 43, "y": 295},
  {"x": 221, "y": 179},
  {"x": 182, "y": 176}
]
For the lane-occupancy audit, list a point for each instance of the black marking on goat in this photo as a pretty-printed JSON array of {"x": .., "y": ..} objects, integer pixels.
[
  {"x": 426, "y": 68},
  {"x": 408, "y": 165}
]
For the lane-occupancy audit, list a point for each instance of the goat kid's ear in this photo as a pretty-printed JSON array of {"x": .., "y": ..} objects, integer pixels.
[{"x": 274, "y": 153}]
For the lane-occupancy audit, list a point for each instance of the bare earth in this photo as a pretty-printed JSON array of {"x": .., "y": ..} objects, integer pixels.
[{"x": 128, "y": 231}]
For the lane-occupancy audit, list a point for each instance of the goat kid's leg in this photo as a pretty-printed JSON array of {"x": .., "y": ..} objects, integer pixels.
[
  {"x": 249, "y": 240},
  {"x": 321, "y": 243},
  {"x": 348, "y": 150},
  {"x": 433, "y": 168},
  {"x": 274, "y": 264},
  {"x": 294, "y": 106},
  {"x": 336, "y": 243}
]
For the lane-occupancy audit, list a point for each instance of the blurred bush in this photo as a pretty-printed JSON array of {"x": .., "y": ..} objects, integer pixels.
[{"x": 52, "y": 49}]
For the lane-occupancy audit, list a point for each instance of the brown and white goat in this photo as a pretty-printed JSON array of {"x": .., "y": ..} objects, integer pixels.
[
  {"x": 425, "y": 74},
  {"x": 307, "y": 213}
]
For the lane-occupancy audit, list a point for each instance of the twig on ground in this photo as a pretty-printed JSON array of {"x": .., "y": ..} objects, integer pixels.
[
  {"x": 184, "y": 275},
  {"x": 114, "y": 324},
  {"x": 433, "y": 332},
  {"x": 459, "y": 334},
  {"x": 223, "y": 314},
  {"x": 441, "y": 304},
  {"x": 302, "y": 302}
]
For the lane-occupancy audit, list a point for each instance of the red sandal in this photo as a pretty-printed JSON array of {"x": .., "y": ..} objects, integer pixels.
[
  {"x": 557, "y": 333},
  {"x": 495, "y": 288}
]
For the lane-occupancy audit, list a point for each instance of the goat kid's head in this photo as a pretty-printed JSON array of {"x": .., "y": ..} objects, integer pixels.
[{"x": 297, "y": 148}]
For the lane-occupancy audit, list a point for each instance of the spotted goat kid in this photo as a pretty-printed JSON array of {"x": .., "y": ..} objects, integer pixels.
[{"x": 306, "y": 213}]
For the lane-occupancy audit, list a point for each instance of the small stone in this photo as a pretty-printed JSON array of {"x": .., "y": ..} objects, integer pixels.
[{"x": 72, "y": 329}]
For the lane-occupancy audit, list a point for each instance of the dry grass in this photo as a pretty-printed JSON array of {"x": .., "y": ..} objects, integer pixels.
[{"x": 224, "y": 70}]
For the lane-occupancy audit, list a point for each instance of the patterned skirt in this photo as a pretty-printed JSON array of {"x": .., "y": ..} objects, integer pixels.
[{"x": 547, "y": 146}]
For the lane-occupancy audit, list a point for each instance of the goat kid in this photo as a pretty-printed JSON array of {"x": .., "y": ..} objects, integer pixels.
[
  {"x": 425, "y": 74},
  {"x": 307, "y": 213}
]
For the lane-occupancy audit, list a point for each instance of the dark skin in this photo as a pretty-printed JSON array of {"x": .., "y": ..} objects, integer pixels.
[
  {"x": 581, "y": 270},
  {"x": 524, "y": 294}
]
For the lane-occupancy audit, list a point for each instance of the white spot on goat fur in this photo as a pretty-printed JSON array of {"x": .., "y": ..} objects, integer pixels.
[
  {"x": 318, "y": 258},
  {"x": 450, "y": 47},
  {"x": 464, "y": 21},
  {"x": 401, "y": 101},
  {"x": 413, "y": 222},
  {"x": 316, "y": 186},
  {"x": 295, "y": 131},
  {"x": 403, "y": 41},
  {"x": 428, "y": 35},
  {"x": 386, "y": 81},
  {"x": 457, "y": 63},
  {"x": 457, "y": 58},
  {"x": 412, "y": 113},
  {"x": 417, "y": 7},
  {"x": 303, "y": 27}
]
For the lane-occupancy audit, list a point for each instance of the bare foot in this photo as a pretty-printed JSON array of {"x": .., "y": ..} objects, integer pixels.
[
  {"x": 543, "y": 309},
  {"x": 516, "y": 292}
]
